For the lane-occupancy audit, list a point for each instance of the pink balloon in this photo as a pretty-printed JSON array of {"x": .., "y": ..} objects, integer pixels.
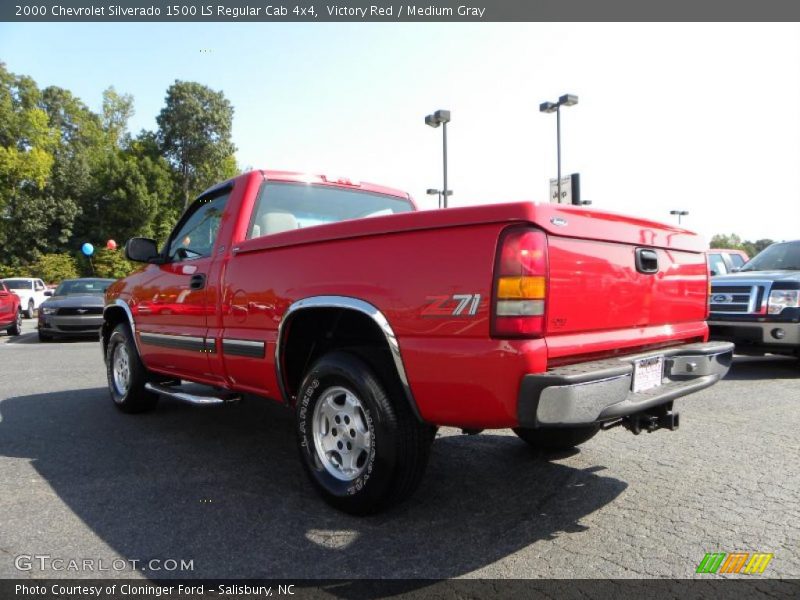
[{"x": 111, "y": 245}]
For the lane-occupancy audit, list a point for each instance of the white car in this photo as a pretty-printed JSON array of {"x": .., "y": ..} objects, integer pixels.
[{"x": 31, "y": 293}]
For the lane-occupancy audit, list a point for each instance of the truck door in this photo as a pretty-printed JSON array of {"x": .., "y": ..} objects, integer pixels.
[{"x": 172, "y": 309}]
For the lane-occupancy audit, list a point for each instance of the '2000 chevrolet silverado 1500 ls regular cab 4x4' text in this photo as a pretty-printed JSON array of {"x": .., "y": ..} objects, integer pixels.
[{"x": 551, "y": 320}]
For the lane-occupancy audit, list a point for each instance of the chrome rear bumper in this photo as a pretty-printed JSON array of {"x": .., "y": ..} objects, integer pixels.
[{"x": 598, "y": 391}]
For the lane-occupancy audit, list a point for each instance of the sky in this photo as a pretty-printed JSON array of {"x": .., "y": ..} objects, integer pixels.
[{"x": 696, "y": 117}]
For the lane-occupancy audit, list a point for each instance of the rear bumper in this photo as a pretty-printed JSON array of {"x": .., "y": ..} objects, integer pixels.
[{"x": 599, "y": 391}]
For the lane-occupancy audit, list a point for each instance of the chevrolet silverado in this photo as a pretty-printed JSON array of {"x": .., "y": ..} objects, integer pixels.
[{"x": 377, "y": 323}]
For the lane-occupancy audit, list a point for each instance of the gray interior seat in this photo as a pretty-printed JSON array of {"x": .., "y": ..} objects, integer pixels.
[{"x": 275, "y": 222}]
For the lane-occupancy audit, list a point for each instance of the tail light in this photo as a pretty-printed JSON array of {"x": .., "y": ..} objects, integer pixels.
[{"x": 520, "y": 284}]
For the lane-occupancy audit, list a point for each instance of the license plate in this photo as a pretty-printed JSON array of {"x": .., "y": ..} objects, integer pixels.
[{"x": 647, "y": 373}]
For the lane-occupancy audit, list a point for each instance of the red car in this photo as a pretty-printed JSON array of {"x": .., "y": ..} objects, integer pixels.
[
  {"x": 377, "y": 323},
  {"x": 10, "y": 312}
]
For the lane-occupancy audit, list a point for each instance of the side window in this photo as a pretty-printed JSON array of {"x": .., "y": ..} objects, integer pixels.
[
  {"x": 197, "y": 233},
  {"x": 39, "y": 285},
  {"x": 717, "y": 264}
]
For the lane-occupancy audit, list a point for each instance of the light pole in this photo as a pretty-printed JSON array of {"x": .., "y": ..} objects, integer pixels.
[
  {"x": 441, "y": 117},
  {"x": 680, "y": 213},
  {"x": 549, "y": 107}
]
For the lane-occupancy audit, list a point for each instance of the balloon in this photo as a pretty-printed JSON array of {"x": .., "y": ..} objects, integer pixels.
[
  {"x": 111, "y": 245},
  {"x": 87, "y": 249}
]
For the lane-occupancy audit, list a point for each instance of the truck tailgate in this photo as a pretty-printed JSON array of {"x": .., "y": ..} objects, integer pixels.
[{"x": 600, "y": 301}]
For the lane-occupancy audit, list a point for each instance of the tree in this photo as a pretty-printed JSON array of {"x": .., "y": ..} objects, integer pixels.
[
  {"x": 54, "y": 268},
  {"x": 27, "y": 145},
  {"x": 111, "y": 264},
  {"x": 195, "y": 136},
  {"x": 731, "y": 242},
  {"x": 117, "y": 111}
]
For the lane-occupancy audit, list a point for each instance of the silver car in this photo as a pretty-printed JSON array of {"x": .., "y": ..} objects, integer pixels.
[{"x": 75, "y": 309}]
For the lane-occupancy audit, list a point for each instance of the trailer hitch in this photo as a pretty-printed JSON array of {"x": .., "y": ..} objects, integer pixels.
[{"x": 649, "y": 421}]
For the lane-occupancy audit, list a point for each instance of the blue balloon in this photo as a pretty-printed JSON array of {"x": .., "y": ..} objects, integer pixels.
[{"x": 87, "y": 249}]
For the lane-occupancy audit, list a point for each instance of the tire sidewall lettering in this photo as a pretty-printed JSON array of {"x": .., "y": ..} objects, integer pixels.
[{"x": 311, "y": 392}]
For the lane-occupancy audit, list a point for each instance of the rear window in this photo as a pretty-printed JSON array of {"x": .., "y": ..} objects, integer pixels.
[
  {"x": 18, "y": 284},
  {"x": 286, "y": 206}
]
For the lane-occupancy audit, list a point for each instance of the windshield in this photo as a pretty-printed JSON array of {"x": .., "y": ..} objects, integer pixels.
[
  {"x": 778, "y": 257},
  {"x": 17, "y": 284},
  {"x": 83, "y": 286}
]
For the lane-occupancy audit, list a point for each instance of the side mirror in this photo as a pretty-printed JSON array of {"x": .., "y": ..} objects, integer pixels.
[
  {"x": 48, "y": 292},
  {"x": 4, "y": 294},
  {"x": 141, "y": 250},
  {"x": 712, "y": 272}
]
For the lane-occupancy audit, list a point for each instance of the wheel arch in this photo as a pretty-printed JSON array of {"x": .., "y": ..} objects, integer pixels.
[
  {"x": 113, "y": 314},
  {"x": 366, "y": 324}
]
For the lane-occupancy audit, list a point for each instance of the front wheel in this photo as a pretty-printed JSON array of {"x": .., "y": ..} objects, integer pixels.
[
  {"x": 557, "y": 438},
  {"x": 360, "y": 443},
  {"x": 16, "y": 326},
  {"x": 126, "y": 373},
  {"x": 31, "y": 310}
]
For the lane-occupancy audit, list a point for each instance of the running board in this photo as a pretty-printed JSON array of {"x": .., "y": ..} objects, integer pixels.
[{"x": 196, "y": 399}]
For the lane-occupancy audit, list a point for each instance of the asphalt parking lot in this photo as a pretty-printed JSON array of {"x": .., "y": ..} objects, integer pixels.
[{"x": 222, "y": 487}]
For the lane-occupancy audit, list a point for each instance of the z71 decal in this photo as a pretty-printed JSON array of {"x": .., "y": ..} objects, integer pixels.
[{"x": 457, "y": 305}]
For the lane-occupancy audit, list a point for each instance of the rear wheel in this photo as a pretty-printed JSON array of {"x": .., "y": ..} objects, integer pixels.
[
  {"x": 360, "y": 444},
  {"x": 557, "y": 438},
  {"x": 126, "y": 373},
  {"x": 31, "y": 310},
  {"x": 16, "y": 326}
]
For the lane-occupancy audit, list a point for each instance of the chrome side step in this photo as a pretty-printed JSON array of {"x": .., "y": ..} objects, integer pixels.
[{"x": 196, "y": 399}]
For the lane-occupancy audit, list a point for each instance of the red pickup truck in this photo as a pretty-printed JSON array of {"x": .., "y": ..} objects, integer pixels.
[{"x": 377, "y": 323}]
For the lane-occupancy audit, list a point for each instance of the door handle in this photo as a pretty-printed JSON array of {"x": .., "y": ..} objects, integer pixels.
[
  {"x": 198, "y": 281},
  {"x": 646, "y": 260}
]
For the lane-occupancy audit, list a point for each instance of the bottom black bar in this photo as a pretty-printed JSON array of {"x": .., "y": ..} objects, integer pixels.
[{"x": 407, "y": 589}]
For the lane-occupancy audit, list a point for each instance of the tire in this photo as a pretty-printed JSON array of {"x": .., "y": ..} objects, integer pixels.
[
  {"x": 31, "y": 310},
  {"x": 126, "y": 373},
  {"x": 557, "y": 438},
  {"x": 44, "y": 338},
  {"x": 16, "y": 326},
  {"x": 360, "y": 444}
]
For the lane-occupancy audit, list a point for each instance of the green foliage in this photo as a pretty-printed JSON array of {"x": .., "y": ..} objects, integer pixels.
[
  {"x": 53, "y": 268},
  {"x": 69, "y": 175},
  {"x": 730, "y": 242},
  {"x": 195, "y": 136},
  {"x": 9, "y": 271},
  {"x": 734, "y": 242},
  {"x": 111, "y": 263},
  {"x": 117, "y": 111}
]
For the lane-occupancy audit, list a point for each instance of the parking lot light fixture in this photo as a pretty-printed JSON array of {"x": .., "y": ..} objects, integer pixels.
[
  {"x": 555, "y": 107},
  {"x": 679, "y": 213},
  {"x": 438, "y": 193},
  {"x": 441, "y": 117}
]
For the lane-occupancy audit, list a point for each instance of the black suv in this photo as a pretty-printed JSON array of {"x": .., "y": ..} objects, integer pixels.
[{"x": 758, "y": 308}]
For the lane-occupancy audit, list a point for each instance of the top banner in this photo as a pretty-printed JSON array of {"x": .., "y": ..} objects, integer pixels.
[{"x": 271, "y": 11}]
